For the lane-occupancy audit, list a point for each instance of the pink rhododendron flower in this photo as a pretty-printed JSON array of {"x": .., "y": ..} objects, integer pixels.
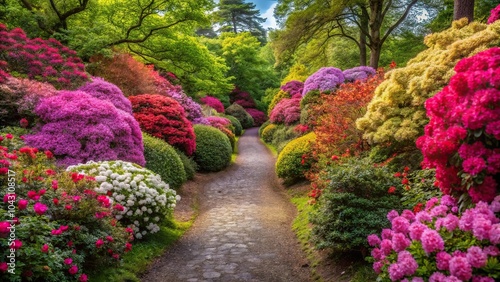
[
  {"x": 443, "y": 260},
  {"x": 99, "y": 243},
  {"x": 437, "y": 277},
  {"x": 460, "y": 268},
  {"x": 416, "y": 229},
  {"x": 373, "y": 240},
  {"x": 407, "y": 263},
  {"x": 386, "y": 246},
  {"x": 396, "y": 272},
  {"x": 73, "y": 270},
  {"x": 4, "y": 227},
  {"x": 45, "y": 248},
  {"x": 400, "y": 224},
  {"x": 68, "y": 261},
  {"x": 476, "y": 257},
  {"x": 17, "y": 244},
  {"x": 40, "y": 208},
  {"x": 400, "y": 242},
  {"x": 431, "y": 241},
  {"x": 3, "y": 266}
]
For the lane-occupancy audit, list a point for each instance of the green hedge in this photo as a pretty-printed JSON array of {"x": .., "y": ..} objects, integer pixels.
[
  {"x": 239, "y": 112},
  {"x": 162, "y": 159},
  {"x": 190, "y": 166},
  {"x": 213, "y": 149},
  {"x": 289, "y": 164},
  {"x": 238, "y": 129}
]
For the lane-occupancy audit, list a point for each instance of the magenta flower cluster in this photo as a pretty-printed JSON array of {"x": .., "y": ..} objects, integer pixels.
[
  {"x": 293, "y": 87},
  {"x": 495, "y": 15},
  {"x": 78, "y": 127},
  {"x": 259, "y": 117},
  {"x": 359, "y": 73},
  {"x": 218, "y": 121},
  {"x": 287, "y": 111},
  {"x": 214, "y": 103},
  {"x": 43, "y": 60},
  {"x": 103, "y": 90},
  {"x": 242, "y": 98},
  {"x": 324, "y": 80},
  {"x": 463, "y": 134},
  {"x": 429, "y": 239}
]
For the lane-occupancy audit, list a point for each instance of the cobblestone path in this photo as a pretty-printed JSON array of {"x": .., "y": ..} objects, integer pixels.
[{"x": 243, "y": 232}]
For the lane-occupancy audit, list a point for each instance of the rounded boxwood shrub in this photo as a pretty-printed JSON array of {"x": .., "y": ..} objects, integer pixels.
[
  {"x": 213, "y": 149},
  {"x": 293, "y": 160},
  {"x": 161, "y": 158},
  {"x": 190, "y": 166},
  {"x": 238, "y": 129},
  {"x": 268, "y": 132},
  {"x": 354, "y": 205},
  {"x": 239, "y": 112}
]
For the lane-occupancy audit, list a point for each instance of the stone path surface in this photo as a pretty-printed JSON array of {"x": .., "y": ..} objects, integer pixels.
[{"x": 243, "y": 232}]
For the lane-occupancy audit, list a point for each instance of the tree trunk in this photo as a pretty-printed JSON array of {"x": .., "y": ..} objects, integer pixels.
[
  {"x": 463, "y": 9},
  {"x": 376, "y": 7},
  {"x": 362, "y": 36}
]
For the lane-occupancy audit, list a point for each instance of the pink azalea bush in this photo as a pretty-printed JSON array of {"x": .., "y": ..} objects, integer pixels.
[
  {"x": 462, "y": 139},
  {"x": 63, "y": 228},
  {"x": 43, "y": 60},
  {"x": 19, "y": 98},
  {"x": 495, "y": 15},
  {"x": 359, "y": 73},
  {"x": 258, "y": 116},
  {"x": 78, "y": 128},
  {"x": 324, "y": 80},
  {"x": 103, "y": 90},
  {"x": 293, "y": 87},
  {"x": 287, "y": 111},
  {"x": 242, "y": 98},
  {"x": 214, "y": 103},
  {"x": 439, "y": 244}
]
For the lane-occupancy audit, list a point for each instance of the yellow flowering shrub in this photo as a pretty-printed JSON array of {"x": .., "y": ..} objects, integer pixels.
[{"x": 296, "y": 157}]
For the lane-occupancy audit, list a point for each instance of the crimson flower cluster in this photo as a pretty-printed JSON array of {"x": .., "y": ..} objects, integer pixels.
[
  {"x": 462, "y": 139},
  {"x": 214, "y": 103},
  {"x": 495, "y": 15},
  {"x": 258, "y": 116}
]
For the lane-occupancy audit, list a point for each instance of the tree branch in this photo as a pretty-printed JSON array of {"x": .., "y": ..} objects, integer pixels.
[
  {"x": 401, "y": 19},
  {"x": 149, "y": 34}
]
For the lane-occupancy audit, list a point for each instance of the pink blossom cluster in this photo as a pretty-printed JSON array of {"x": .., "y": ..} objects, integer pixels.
[
  {"x": 103, "y": 90},
  {"x": 214, "y": 103},
  {"x": 287, "y": 111},
  {"x": 435, "y": 231},
  {"x": 359, "y": 73},
  {"x": 495, "y": 15},
  {"x": 78, "y": 127},
  {"x": 218, "y": 121},
  {"x": 259, "y": 117},
  {"x": 324, "y": 80},
  {"x": 293, "y": 87},
  {"x": 44, "y": 60},
  {"x": 242, "y": 98},
  {"x": 465, "y": 119}
]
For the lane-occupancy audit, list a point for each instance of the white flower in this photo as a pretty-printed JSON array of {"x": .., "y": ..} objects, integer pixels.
[
  {"x": 146, "y": 219},
  {"x": 138, "y": 235}
]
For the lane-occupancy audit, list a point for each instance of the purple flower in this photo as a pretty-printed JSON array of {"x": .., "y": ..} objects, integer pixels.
[
  {"x": 431, "y": 241},
  {"x": 359, "y": 73},
  {"x": 377, "y": 254},
  {"x": 407, "y": 263},
  {"x": 396, "y": 272},
  {"x": 386, "y": 246},
  {"x": 392, "y": 215},
  {"x": 460, "y": 268},
  {"x": 443, "y": 260},
  {"x": 423, "y": 216},
  {"x": 324, "y": 80},
  {"x": 447, "y": 200},
  {"x": 377, "y": 266},
  {"x": 450, "y": 222},
  {"x": 440, "y": 210},
  {"x": 103, "y": 90},
  {"x": 400, "y": 224},
  {"x": 481, "y": 227},
  {"x": 494, "y": 234},
  {"x": 476, "y": 257},
  {"x": 400, "y": 242},
  {"x": 482, "y": 279},
  {"x": 373, "y": 240},
  {"x": 293, "y": 87},
  {"x": 214, "y": 103},
  {"x": 387, "y": 234},
  {"x": 491, "y": 251},
  {"x": 437, "y": 277},
  {"x": 416, "y": 229}
]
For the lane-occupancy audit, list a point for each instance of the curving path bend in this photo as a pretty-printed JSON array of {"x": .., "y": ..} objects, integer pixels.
[{"x": 243, "y": 232}]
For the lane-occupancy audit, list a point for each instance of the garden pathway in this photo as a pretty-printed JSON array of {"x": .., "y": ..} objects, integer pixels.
[{"x": 243, "y": 232}]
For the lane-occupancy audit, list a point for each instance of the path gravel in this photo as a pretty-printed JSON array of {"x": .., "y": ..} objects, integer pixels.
[{"x": 243, "y": 232}]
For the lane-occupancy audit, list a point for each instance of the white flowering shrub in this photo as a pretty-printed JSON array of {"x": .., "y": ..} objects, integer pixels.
[{"x": 141, "y": 199}]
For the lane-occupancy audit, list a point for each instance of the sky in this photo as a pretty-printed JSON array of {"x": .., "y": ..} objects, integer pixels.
[{"x": 266, "y": 8}]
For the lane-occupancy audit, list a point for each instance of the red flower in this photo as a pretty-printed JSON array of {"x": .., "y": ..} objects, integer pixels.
[
  {"x": 4, "y": 170},
  {"x": 42, "y": 192},
  {"x": 9, "y": 197},
  {"x": 99, "y": 243},
  {"x": 335, "y": 158},
  {"x": 77, "y": 227},
  {"x": 9, "y": 136},
  {"x": 397, "y": 174},
  {"x": 55, "y": 184},
  {"x": 391, "y": 190},
  {"x": 4, "y": 227},
  {"x": 45, "y": 248},
  {"x": 83, "y": 278},
  {"x": 24, "y": 123},
  {"x": 129, "y": 230},
  {"x": 73, "y": 270},
  {"x": 64, "y": 228},
  {"x": 3, "y": 266},
  {"x": 119, "y": 207},
  {"x": 40, "y": 208},
  {"x": 49, "y": 154},
  {"x": 392, "y": 65},
  {"x": 109, "y": 238},
  {"x": 56, "y": 201},
  {"x": 16, "y": 244},
  {"x": 22, "y": 204},
  {"x": 68, "y": 261},
  {"x": 68, "y": 207},
  {"x": 417, "y": 207},
  {"x": 405, "y": 181},
  {"x": 128, "y": 247},
  {"x": 56, "y": 232},
  {"x": 116, "y": 256},
  {"x": 50, "y": 172}
]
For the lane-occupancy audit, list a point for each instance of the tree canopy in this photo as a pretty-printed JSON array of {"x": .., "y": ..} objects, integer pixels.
[{"x": 237, "y": 16}]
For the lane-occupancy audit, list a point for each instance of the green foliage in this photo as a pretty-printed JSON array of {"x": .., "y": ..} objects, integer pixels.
[
  {"x": 213, "y": 149},
  {"x": 161, "y": 158},
  {"x": 354, "y": 205},
  {"x": 397, "y": 113},
  {"x": 268, "y": 132},
  {"x": 238, "y": 129},
  {"x": 297, "y": 72},
  {"x": 262, "y": 126},
  {"x": 421, "y": 189},
  {"x": 239, "y": 113},
  {"x": 15, "y": 143},
  {"x": 293, "y": 161},
  {"x": 238, "y": 16},
  {"x": 282, "y": 135},
  {"x": 190, "y": 166}
]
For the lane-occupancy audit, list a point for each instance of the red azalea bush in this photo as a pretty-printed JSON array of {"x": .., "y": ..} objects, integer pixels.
[
  {"x": 164, "y": 118},
  {"x": 462, "y": 139},
  {"x": 258, "y": 117},
  {"x": 287, "y": 111},
  {"x": 242, "y": 98},
  {"x": 62, "y": 227},
  {"x": 78, "y": 128},
  {"x": 214, "y": 103},
  {"x": 103, "y": 90},
  {"x": 39, "y": 59},
  {"x": 19, "y": 98}
]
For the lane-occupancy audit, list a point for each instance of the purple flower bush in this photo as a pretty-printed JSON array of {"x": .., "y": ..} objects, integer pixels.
[
  {"x": 43, "y": 60},
  {"x": 258, "y": 116},
  {"x": 103, "y": 90},
  {"x": 214, "y": 103},
  {"x": 287, "y": 111},
  {"x": 495, "y": 15},
  {"x": 359, "y": 73},
  {"x": 293, "y": 87},
  {"x": 439, "y": 244},
  {"x": 78, "y": 128},
  {"x": 324, "y": 80}
]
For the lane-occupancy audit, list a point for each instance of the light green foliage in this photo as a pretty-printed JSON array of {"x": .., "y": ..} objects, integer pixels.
[
  {"x": 297, "y": 72},
  {"x": 291, "y": 163},
  {"x": 353, "y": 205},
  {"x": 15, "y": 143},
  {"x": 239, "y": 112},
  {"x": 161, "y": 158},
  {"x": 213, "y": 150},
  {"x": 282, "y": 135},
  {"x": 276, "y": 99},
  {"x": 397, "y": 113}
]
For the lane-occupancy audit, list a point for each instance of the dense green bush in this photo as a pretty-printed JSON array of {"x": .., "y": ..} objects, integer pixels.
[
  {"x": 420, "y": 189},
  {"x": 263, "y": 126},
  {"x": 239, "y": 112},
  {"x": 354, "y": 205},
  {"x": 282, "y": 135},
  {"x": 190, "y": 166},
  {"x": 294, "y": 160},
  {"x": 162, "y": 159},
  {"x": 213, "y": 149},
  {"x": 238, "y": 129}
]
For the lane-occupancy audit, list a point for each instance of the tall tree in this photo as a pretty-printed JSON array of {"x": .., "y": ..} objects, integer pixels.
[
  {"x": 368, "y": 23},
  {"x": 237, "y": 16},
  {"x": 463, "y": 9}
]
